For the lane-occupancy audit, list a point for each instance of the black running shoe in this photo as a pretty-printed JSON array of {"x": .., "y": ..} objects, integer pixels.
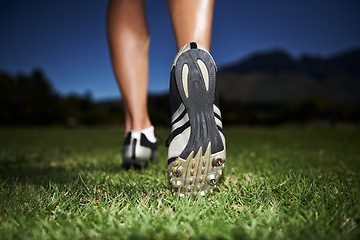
[
  {"x": 138, "y": 150},
  {"x": 197, "y": 152}
]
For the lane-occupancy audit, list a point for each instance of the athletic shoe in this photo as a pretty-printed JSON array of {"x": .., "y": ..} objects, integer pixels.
[
  {"x": 196, "y": 144},
  {"x": 138, "y": 150}
]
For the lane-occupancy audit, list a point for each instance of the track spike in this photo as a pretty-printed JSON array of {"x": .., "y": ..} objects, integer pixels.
[
  {"x": 176, "y": 188},
  {"x": 213, "y": 181}
]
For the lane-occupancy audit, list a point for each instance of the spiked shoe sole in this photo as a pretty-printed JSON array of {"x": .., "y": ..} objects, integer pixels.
[
  {"x": 199, "y": 166},
  {"x": 197, "y": 174}
]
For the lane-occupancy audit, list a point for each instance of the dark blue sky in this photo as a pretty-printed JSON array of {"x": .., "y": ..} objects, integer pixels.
[{"x": 67, "y": 38}]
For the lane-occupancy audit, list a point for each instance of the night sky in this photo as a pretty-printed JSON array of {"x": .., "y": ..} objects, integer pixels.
[{"x": 67, "y": 38}]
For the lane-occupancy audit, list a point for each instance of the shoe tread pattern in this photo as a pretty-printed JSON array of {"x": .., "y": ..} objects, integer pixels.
[
  {"x": 199, "y": 103},
  {"x": 199, "y": 166}
]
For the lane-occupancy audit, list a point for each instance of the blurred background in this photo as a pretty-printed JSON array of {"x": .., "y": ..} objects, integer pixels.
[{"x": 279, "y": 62}]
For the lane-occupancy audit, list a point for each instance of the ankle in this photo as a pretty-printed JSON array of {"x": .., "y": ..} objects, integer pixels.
[{"x": 137, "y": 125}]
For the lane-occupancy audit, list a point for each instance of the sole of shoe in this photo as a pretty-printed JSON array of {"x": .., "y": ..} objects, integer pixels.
[
  {"x": 140, "y": 163},
  {"x": 200, "y": 164},
  {"x": 130, "y": 163}
]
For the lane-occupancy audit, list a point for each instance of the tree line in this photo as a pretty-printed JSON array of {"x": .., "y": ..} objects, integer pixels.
[{"x": 31, "y": 100}]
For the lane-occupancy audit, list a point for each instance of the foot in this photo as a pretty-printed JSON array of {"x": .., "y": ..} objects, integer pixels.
[
  {"x": 197, "y": 152},
  {"x": 138, "y": 150}
]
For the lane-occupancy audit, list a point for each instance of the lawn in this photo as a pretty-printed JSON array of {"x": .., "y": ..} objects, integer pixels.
[{"x": 279, "y": 183}]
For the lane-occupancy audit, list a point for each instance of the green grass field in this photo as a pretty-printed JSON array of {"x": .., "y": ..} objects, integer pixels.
[{"x": 279, "y": 183}]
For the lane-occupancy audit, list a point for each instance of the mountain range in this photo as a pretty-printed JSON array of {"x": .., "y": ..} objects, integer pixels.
[{"x": 275, "y": 77}]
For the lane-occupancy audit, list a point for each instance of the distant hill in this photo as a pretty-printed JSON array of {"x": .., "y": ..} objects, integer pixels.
[
  {"x": 266, "y": 88},
  {"x": 275, "y": 77}
]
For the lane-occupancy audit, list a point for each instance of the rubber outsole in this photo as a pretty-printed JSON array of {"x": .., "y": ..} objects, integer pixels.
[
  {"x": 127, "y": 164},
  {"x": 199, "y": 166}
]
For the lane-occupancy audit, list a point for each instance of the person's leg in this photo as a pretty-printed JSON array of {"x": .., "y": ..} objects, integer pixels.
[
  {"x": 129, "y": 41},
  {"x": 191, "y": 21}
]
